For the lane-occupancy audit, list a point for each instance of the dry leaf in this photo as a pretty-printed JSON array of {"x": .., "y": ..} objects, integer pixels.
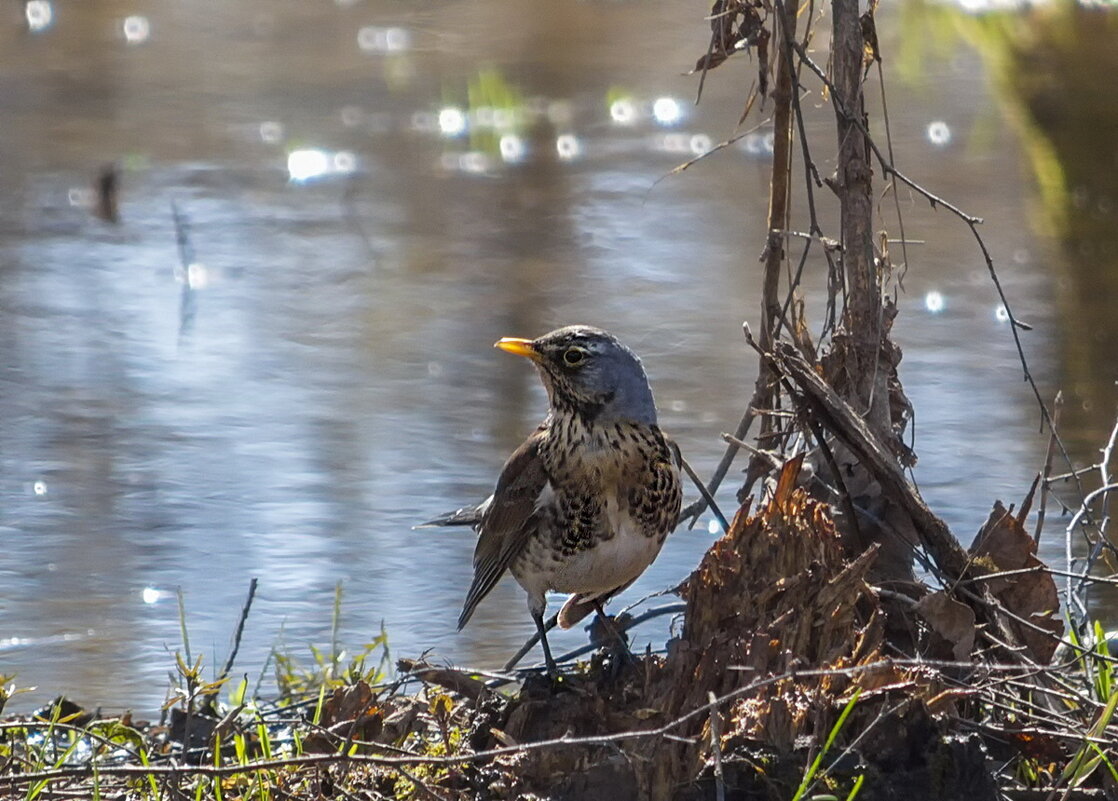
[
  {"x": 1003, "y": 545},
  {"x": 950, "y": 619}
]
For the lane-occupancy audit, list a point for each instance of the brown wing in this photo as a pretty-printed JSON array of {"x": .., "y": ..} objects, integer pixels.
[{"x": 508, "y": 521}]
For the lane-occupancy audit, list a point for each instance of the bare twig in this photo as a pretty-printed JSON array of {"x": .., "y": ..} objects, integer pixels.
[
  {"x": 1057, "y": 407},
  {"x": 240, "y": 629},
  {"x": 696, "y": 509},
  {"x": 1084, "y": 511},
  {"x": 716, "y": 748},
  {"x": 707, "y": 497},
  {"x": 714, "y": 149}
]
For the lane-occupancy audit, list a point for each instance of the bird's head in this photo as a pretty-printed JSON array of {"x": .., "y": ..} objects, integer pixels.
[{"x": 587, "y": 371}]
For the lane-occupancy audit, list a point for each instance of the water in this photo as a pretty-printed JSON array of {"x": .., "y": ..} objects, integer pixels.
[{"x": 321, "y": 377}]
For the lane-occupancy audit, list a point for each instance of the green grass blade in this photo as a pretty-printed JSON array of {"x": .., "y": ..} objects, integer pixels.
[
  {"x": 151, "y": 777},
  {"x": 857, "y": 788},
  {"x": 809, "y": 777},
  {"x": 182, "y": 623}
]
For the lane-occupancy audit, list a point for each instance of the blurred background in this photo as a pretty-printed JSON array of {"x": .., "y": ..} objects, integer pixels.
[{"x": 368, "y": 194}]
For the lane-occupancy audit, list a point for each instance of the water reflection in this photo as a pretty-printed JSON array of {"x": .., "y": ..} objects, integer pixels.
[
  {"x": 315, "y": 375},
  {"x": 1045, "y": 65}
]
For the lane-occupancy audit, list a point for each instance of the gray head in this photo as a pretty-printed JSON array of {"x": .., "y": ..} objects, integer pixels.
[{"x": 588, "y": 372}]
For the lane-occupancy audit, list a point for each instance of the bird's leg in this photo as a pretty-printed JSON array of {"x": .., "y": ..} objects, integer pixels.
[
  {"x": 612, "y": 630},
  {"x": 514, "y": 660},
  {"x": 552, "y": 668}
]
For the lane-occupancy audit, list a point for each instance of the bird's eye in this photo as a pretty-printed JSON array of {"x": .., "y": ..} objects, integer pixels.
[{"x": 573, "y": 356}]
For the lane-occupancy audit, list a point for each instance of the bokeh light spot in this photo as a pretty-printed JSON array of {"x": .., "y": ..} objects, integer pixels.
[
  {"x": 667, "y": 110},
  {"x": 39, "y": 14},
  {"x": 512, "y": 148},
  {"x": 197, "y": 276},
  {"x": 623, "y": 111},
  {"x": 271, "y": 132},
  {"x": 136, "y": 29},
  {"x": 504, "y": 118},
  {"x": 939, "y": 134},
  {"x": 344, "y": 162},
  {"x": 396, "y": 40},
  {"x": 701, "y": 144},
  {"x": 373, "y": 39},
  {"x": 473, "y": 162},
  {"x": 303, "y": 165},
  {"x": 80, "y": 197},
  {"x": 452, "y": 122},
  {"x": 568, "y": 147}
]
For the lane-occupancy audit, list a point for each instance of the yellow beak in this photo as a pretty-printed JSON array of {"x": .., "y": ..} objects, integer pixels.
[{"x": 520, "y": 347}]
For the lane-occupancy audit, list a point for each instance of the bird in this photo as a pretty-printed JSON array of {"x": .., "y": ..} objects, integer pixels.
[{"x": 584, "y": 505}]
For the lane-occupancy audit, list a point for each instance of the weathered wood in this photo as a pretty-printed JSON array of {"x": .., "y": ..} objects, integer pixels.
[
  {"x": 838, "y": 417},
  {"x": 949, "y": 557},
  {"x": 766, "y": 394},
  {"x": 862, "y": 315},
  {"x": 780, "y": 185}
]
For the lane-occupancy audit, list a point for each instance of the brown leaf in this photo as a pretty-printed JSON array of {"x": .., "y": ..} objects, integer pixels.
[
  {"x": 735, "y": 26},
  {"x": 348, "y": 703},
  {"x": 349, "y": 713},
  {"x": 1036, "y": 745},
  {"x": 1004, "y": 545},
  {"x": 709, "y": 61},
  {"x": 723, "y": 15},
  {"x": 950, "y": 619}
]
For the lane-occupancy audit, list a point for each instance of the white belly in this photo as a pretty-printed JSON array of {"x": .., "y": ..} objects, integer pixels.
[{"x": 609, "y": 564}]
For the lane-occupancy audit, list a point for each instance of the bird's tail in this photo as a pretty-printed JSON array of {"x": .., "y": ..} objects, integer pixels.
[
  {"x": 582, "y": 604},
  {"x": 575, "y": 609},
  {"x": 466, "y": 516}
]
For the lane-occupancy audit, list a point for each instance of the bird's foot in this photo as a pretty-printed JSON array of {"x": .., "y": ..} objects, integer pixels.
[
  {"x": 540, "y": 684},
  {"x": 552, "y": 669},
  {"x": 620, "y": 659},
  {"x": 607, "y": 633}
]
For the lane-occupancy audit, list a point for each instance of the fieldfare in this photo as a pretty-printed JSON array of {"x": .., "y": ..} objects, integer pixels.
[{"x": 584, "y": 505}]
